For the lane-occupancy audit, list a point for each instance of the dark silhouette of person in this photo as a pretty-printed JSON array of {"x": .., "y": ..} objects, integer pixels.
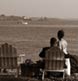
[
  {"x": 53, "y": 43},
  {"x": 62, "y": 44}
]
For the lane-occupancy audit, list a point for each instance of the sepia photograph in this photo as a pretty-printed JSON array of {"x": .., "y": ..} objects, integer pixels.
[{"x": 38, "y": 40}]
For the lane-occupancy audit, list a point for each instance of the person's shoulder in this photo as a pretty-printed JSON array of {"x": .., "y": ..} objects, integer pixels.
[
  {"x": 46, "y": 48},
  {"x": 56, "y": 48},
  {"x": 64, "y": 41},
  {"x": 43, "y": 51},
  {"x": 53, "y": 48}
]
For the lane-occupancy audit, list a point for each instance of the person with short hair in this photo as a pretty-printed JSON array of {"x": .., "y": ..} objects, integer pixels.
[
  {"x": 44, "y": 54},
  {"x": 53, "y": 43},
  {"x": 62, "y": 43}
]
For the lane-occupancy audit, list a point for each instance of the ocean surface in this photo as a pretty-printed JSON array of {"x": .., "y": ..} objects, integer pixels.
[{"x": 30, "y": 39}]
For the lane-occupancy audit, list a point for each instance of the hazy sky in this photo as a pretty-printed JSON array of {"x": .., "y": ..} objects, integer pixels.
[{"x": 48, "y": 8}]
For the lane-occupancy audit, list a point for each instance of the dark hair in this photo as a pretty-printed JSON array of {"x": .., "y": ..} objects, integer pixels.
[
  {"x": 60, "y": 34},
  {"x": 53, "y": 41}
]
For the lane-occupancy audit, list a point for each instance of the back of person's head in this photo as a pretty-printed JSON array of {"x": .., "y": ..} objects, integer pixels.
[
  {"x": 53, "y": 41},
  {"x": 60, "y": 34}
]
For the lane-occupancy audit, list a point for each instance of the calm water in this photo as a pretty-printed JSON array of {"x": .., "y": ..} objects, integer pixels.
[{"x": 30, "y": 39}]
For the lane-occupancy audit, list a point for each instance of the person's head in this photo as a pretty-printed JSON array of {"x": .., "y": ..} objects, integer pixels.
[
  {"x": 60, "y": 34},
  {"x": 53, "y": 42}
]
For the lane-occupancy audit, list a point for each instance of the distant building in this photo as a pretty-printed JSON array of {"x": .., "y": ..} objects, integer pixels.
[{"x": 23, "y": 22}]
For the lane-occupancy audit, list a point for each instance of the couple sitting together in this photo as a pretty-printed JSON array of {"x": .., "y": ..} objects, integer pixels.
[{"x": 62, "y": 45}]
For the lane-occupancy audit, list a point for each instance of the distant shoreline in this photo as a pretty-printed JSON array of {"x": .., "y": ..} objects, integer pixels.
[{"x": 30, "y": 25}]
